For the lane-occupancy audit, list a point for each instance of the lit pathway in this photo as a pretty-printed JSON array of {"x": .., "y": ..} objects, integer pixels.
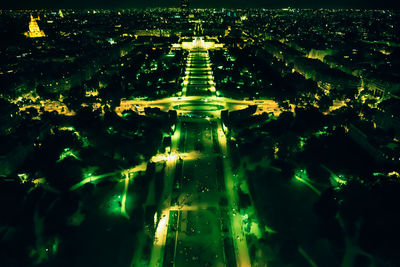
[
  {"x": 96, "y": 178},
  {"x": 238, "y": 236},
  {"x": 93, "y": 178},
  {"x": 199, "y": 79},
  {"x": 157, "y": 252},
  {"x": 198, "y": 74}
]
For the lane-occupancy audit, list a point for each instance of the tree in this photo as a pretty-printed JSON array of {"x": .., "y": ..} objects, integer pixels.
[
  {"x": 113, "y": 93},
  {"x": 324, "y": 103},
  {"x": 318, "y": 174},
  {"x": 64, "y": 174},
  {"x": 8, "y": 116},
  {"x": 370, "y": 204},
  {"x": 327, "y": 207},
  {"x": 391, "y": 106},
  {"x": 308, "y": 119},
  {"x": 75, "y": 97},
  {"x": 47, "y": 92}
]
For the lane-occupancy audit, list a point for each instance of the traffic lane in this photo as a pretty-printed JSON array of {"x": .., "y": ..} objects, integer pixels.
[{"x": 199, "y": 240}]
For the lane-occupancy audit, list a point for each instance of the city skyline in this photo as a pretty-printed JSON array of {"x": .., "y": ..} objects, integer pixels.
[{"x": 369, "y": 4}]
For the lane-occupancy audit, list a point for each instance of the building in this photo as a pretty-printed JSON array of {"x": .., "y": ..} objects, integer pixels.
[
  {"x": 34, "y": 30},
  {"x": 208, "y": 43},
  {"x": 184, "y": 4}
]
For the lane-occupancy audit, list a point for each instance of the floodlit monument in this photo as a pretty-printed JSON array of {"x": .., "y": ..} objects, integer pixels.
[
  {"x": 34, "y": 30},
  {"x": 198, "y": 43}
]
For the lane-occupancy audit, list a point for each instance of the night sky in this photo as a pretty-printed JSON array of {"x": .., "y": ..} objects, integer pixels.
[{"x": 201, "y": 3}]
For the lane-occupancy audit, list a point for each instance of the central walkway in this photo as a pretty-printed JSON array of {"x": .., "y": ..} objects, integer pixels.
[
  {"x": 199, "y": 78},
  {"x": 198, "y": 225}
]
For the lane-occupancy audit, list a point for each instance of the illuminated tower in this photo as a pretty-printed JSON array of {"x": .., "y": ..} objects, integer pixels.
[
  {"x": 34, "y": 30},
  {"x": 60, "y": 13},
  {"x": 185, "y": 4}
]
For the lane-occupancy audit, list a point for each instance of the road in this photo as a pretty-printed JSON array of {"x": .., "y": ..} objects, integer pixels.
[
  {"x": 198, "y": 80},
  {"x": 242, "y": 251},
  {"x": 198, "y": 91},
  {"x": 195, "y": 236},
  {"x": 187, "y": 104},
  {"x": 199, "y": 224},
  {"x": 157, "y": 252}
]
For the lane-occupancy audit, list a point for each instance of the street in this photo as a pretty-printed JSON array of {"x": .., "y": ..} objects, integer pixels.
[{"x": 199, "y": 224}]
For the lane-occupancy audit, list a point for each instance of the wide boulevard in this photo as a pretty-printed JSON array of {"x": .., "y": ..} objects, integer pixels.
[{"x": 199, "y": 224}]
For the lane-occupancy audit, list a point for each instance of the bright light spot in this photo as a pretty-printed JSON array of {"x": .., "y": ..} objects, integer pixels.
[
  {"x": 39, "y": 181},
  {"x": 140, "y": 167},
  {"x": 161, "y": 228},
  {"x": 164, "y": 157},
  {"x": 23, "y": 177},
  {"x": 339, "y": 179},
  {"x": 123, "y": 202},
  {"x": 155, "y": 219},
  {"x": 67, "y": 153}
]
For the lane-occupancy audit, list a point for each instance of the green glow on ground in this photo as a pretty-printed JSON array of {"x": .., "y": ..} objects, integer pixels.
[
  {"x": 308, "y": 184},
  {"x": 255, "y": 229},
  {"x": 23, "y": 177},
  {"x": 176, "y": 136},
  {"x": 68, "y": 153},
  {"x": 199, "y": 107},
  {"x": 252, "y": 226},
  {"x": 114, "y": 205},
  {"x": 123, "y": 202},
  {"x": 339, "y": 179},
  {"x": 85, "y": 141},
  {"x": 302, "y": 142},
  {"x": 301, "y": 175},
  {"x": 129, "y": 174},
  {"x": 307, "y": 257},
  {"x": 336, "y": 180},
  {"x": 55, "y": 245},
  {"x": 77, "y": 218},
  {"x": 321, "y": 132},
  {"x": 92, "y": 179},
  {"x": 67, "y": 128},
  {"x": 244, "y": 187},
  {"x": 269, "y": 230}
]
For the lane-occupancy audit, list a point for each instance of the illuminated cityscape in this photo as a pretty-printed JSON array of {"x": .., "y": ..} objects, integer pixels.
[{"x": 185, "y": 136}]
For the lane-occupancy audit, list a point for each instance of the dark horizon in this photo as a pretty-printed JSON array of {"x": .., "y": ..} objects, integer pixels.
[{"x": 107, "y": 4}]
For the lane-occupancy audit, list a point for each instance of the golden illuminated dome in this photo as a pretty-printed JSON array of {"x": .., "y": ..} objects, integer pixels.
[{"x": 34, "y": 30}]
